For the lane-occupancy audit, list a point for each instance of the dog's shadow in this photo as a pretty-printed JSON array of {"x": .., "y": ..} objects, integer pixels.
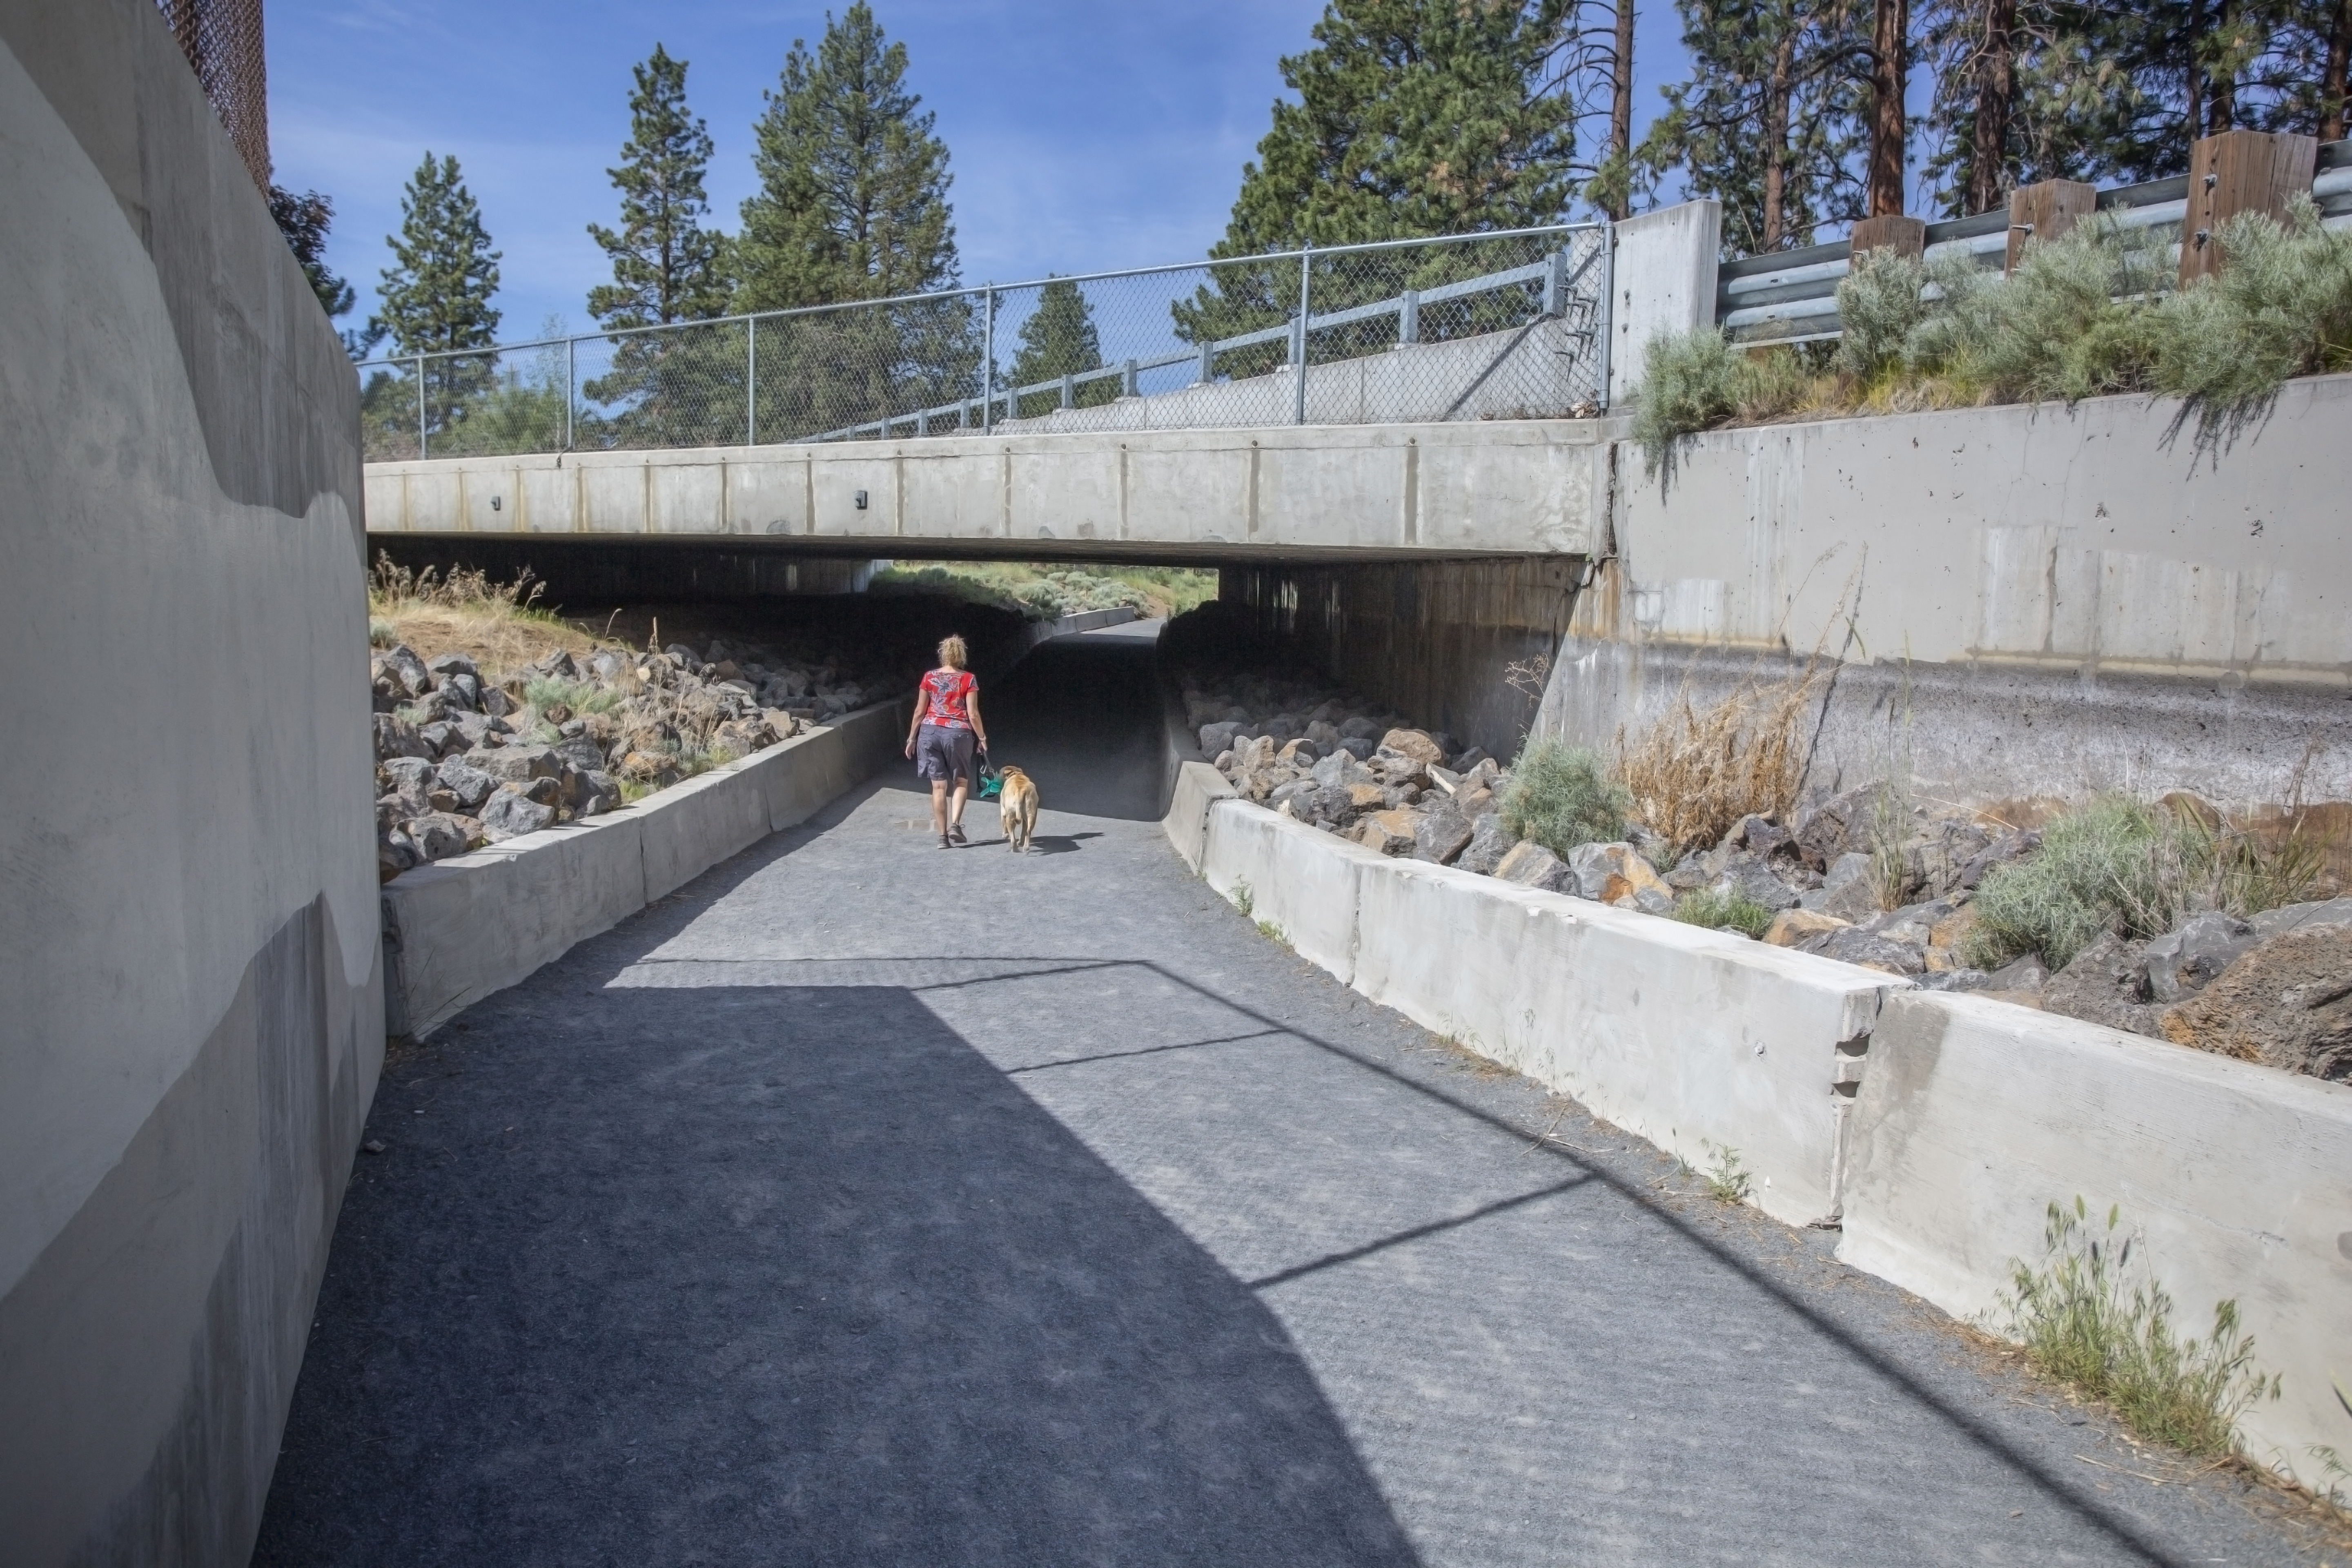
[{"x": 1047, "y": 843}]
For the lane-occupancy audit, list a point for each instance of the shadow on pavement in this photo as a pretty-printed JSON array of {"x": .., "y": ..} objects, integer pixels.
[{"x": 784, "y": 1274}]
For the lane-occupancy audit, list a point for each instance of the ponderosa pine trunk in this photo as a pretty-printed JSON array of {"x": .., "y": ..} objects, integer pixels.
[
  {"x": 1996, "y": 91},
  {"x": 2332, "y": 83},
  {"x": 1889, "y": 39},
  {"x": 1621, "y": 103},
  {"x": 1777, "y": 91}
]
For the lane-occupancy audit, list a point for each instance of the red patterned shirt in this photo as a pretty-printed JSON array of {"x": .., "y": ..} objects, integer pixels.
[{"x": 944, "y": 694}]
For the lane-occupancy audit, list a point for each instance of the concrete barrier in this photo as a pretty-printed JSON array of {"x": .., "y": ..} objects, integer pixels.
[
  {"x": 1299, "y": 879},
  {"x": 1705, "y": 1043},
  {"x": 460, "y": 929},
  {"x": 2235, "y": 1178},
  {"x": 1198, "y": 788}
]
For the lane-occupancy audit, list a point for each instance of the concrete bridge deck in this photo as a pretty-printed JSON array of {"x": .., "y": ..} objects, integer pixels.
[
  {"x": 864, "y": 1203},
  {"x": 1348, "y": 492}
]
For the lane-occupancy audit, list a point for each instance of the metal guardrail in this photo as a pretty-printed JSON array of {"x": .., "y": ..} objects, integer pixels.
[
  {"x": 1508, "y": 324},
  {"x": 1790, "y": 297}
]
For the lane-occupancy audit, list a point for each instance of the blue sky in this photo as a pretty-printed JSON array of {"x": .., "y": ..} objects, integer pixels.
[{"x": 1084, "y": 134}]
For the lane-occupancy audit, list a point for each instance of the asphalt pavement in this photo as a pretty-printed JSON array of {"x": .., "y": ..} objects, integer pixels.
[{"x": 867, "y": 1203}]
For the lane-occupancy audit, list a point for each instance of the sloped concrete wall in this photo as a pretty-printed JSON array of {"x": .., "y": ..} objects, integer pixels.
[{"x": 188, "y": 954}]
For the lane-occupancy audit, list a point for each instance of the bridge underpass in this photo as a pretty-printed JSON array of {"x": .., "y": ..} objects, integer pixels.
[{"x": 867, "y": 1203}]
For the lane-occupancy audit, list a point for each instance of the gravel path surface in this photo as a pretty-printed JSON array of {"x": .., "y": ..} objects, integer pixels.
[{"x": 864, "y": 1203}]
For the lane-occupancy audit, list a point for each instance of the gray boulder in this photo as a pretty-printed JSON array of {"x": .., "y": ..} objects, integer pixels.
[
  {"x": 1441, "y": 837},
  {"x": 469, "y": 783},
  {"x": 1217, "y": 737},
  {"x": 515, "y": 765},
  {"x": 507, "y": 814},
  {"x": 2298, "y": 917},
  {"x": 591, "y": 793},
  {"x": 438, "y": 835},
  {"x": 579, "y": 754},
  {"x": 1851, "y": 944},
  {"x": 1745, "y": 874},
  {"x": 449, "y": 664},
  {"x": 1530, "y": 865},
  {"x": 442, "y": 737},
  {"x": 2106, "y": 984},
  {"x": 2182, "y": 962},
  {"x": 400, "y": 663},
  {"x": 1489, "y": 842},
  {"x": 1357, "y": 746},
  {"x": 1360, "y": 729},
  {"x": 1849, "y": 892},
  {"x": 396, "y": 738}
]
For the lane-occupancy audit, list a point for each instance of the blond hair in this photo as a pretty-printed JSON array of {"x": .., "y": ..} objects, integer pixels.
[{"x": 953, "y": 653}]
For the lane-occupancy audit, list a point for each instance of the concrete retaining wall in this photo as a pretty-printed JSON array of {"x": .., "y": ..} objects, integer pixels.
[
  {"x": 188, "y": 954},
  {"x": 460, "y": 929},
  {"x": 2236, "y": 1179},
  {"x": 2026, "y": 600},
  {"x": 1437, "y": 639}
]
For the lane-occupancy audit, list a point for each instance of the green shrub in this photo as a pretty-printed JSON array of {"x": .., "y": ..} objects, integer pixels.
[
  {"x": 2056, "y": 328},
  {"x": 1722, "y": 911},
  {"x": 1696, "y": 381},
  {"x": 2080, "y": 1323},
  {"x": 1879, "y": 305},
  {"x": 578, "y": 696},
  {"x": 1690, "y": 381},
  {"x": 2116, "y": 865},
  {"x": 2058, "y": 900},
  {"x": 2283, "y": 307},
  {"x": 1562, "y": 796}
]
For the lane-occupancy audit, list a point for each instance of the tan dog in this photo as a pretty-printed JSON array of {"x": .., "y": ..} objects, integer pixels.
[{"x": 1016, "y": 808}]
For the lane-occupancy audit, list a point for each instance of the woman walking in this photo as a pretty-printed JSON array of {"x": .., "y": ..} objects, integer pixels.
[{"x": 947, "y": 723}]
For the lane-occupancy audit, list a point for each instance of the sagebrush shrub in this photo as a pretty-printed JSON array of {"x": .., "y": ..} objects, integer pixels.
[
  {"x": 1562, "y": 796},
  {"x": 2281, "y": 307},
  {"x": 1879, "y": 306}
]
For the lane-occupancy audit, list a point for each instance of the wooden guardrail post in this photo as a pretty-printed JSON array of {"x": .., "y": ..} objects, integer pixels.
[
  {"x": 2238, "y": 171},
  {"x": 2045, "y": 211},
  {"x": 1894, "y": 232}
]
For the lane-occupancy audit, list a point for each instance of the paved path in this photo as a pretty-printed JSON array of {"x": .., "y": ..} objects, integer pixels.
[{"x": 869, "y": 1203}]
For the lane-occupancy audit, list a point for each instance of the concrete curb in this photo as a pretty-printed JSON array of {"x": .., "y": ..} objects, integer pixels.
[{"x": 460, "y": 929}]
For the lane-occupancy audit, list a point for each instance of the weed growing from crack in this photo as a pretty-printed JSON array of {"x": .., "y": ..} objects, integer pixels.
[
  {"x": 2082, "y": 1321},
  {"x": 1729, "y": 1181}
]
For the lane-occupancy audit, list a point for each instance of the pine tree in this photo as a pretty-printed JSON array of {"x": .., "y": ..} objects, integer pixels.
[
  {"x": 666, "y": 265},
  {"x": 436, "y": 293},
  {"x": 1415, "y": 118},
  {"x": 1057, "y": 340},
  {"x": 853, "y": 198},
  {"x": 1772, "y": 117},
  {"x": 664, "y": 388},
  {"x": 852, "y": 204}
]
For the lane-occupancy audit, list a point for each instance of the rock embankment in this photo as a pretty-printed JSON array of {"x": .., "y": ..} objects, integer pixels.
[
  {"x": 464, "y": 759},
  {"x": 1846, "y": 877}
]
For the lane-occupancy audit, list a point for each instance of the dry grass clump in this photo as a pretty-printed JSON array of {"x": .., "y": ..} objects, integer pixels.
[
  {"x": 499, "y": 625},
  {"x": 1697, "y": 771}
]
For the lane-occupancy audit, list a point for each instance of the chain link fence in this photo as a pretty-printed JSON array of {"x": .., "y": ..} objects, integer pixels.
[
  {"x": 1505, "y": 326},
  {"x": 222, "y": 39}
]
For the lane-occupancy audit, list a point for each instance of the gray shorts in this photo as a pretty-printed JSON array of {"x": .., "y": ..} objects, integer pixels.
[{"x": 944, "y": 754}]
